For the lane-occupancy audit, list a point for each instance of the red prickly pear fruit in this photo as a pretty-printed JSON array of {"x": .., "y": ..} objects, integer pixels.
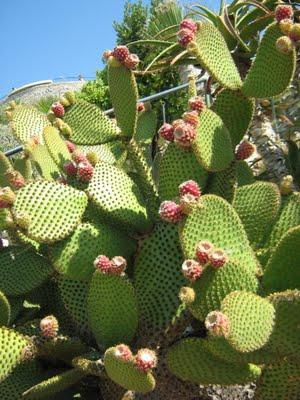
[
  {"x": 284, "y": 45},
  {"x": 132, "y": 61},
  {"x": 217, "y": 323},
  {"x": 188, "y": 24},
  {"x": 103, "y": 264},
  {"x": 62, "y": 180},
  {"x": 7, "y": 197},
  {"x": 106, "y": 54},
  {"x": 169, "y": 211},
  {"x": 49, "y": 327},
  {"x": 294, "y": 33},
  {"x": 71, "y": 146},
  {"x": 15, "y": 178},
  {"x": 140, "y": 107},
  {"x": 218, "y": 258},
  {"x": 197, "y": 103},
  {"x": 185, "y": 36},
  {"x": 58, "y": 109},
  {"x": 283, "y": 11},
  {"x": 203, "y": 250},
  {"x": 123, "y": 352},
  {"x": 177, "y": 123},
  {"x": 191, "y": 117},
  {"x": 85, "y": 171},
  {"x": 70, "y": 168},
  {"x": 190, "y": 187},
  {"x": 167, "y": 132},
  {"x": 145, "y": 360},
  {"x": 118, "y": 265},
  {"x": 78, "y": 156},
  {"x": 121, "y": 53},
  {"x": 285, "y": 26},
  {"x": 184, "y": 135},
  {"x": 188, "y": 202},
  {"x": 244, "y": 150},
  {"x": 192, "y": 270}
]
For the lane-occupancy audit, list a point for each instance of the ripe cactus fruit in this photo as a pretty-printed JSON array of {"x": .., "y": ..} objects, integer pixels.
[
  {"x": 192, "y": 270},
  {"x": 119, "y": 265},
  {"x": 78, "y": 156},
  {"x": 71, "y": 146},
  {"x": 217, "y": 323},
  {"x": 185, "y": 36},
  {"x": 58, "y": 109},
  {"x": 203, "y": 251},
  {"x": 169, "y": 211},
  {"x": 197, "y": 103},
  {"x": 123, "y": 352},
  {"x": 294, "y": 33},
  {"x": 131, "y": 61},
  {"x": 145, "y": 360},
  {"x": 191, "y": 117},
  {"x": 190, "y": 187},
  {"x": 188, "y": 202},
  {"x": 121, "y": 53},
  {"x": 188, "y": 23},
  {"x": 70, "y": 168},
  {"x": 140, "y": 107},
  {"x": 217, "y": 258},
  {"x": 284, "y": 44},
  {"x": 106, "y": 54},
  {"x": 49, "y": 327},
  {"x": 7, "y": 197},
  {"x": 283, "y": 11},
  {"x": 85, "y": 171},
  {"x": 244, "y": 150},
  {"x": 285, "y": 26},
  {"x": 15, "y": 178},
  {"x": 103, "y": 264},
  {"x": 184, "y": 135},
  {"x": 167, "y": 132}
]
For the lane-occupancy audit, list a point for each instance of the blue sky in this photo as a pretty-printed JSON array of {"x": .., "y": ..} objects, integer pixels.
[{"x": 45, "y": 39}]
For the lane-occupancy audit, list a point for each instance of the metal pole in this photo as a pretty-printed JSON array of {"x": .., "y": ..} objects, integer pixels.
[{"x": 11, "y": 152}]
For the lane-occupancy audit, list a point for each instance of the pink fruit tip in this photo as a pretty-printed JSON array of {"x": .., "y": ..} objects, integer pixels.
[
  {"x": 218, "y": 258},
  {"x": 49, "y": 327},
  {"x": 85, "y": 171},
  {"x": 58, "y": 109},
  {"x": 185, "y": 36},
  {"x": 145, "y": 360},
  {"x": 121, "y": 53},
  {"x": 106, "y": 54},
  {"x": 244, "y": 150},
  {"x": 140, "y": 107},
  {"x": 103, "y": 264},
  {"x": 70, "y": 168},
  {"x": 191, "y": 117},
  {"x": 217, "y": 323},
  {"x": 119, "y": 265},
  {"x": 283, "y": 11},
  {"x": 203, "y": 250},
  {"x": 71, "y": 146},
  {"x": 167, "y": 132},
  {"x": 188, "y": 24},
  {"x": 177, "y": 123},
  {"x": 197, "y": 103},
  {"x": 123, "y": 352},
  {"x": 169, "y": 211},
  {"x": 184, "y": 135},
  {"x": 190, "y": 187},
  {"x": 15, "y": 178},
  {"x": 192, "y": 270},
  {"x": 131, "y": 61}
]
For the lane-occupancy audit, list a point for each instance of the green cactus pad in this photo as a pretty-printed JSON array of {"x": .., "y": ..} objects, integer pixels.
[
  {"x": 285, "y": 338},
  {"x": 236, "y": 112},
  {"x": 89, "y": 124},
  {"x": 54, "y": 210},
  {"x": 190, "y": 361},
  {"x": 118, "y": 197},
  {"x": 44, "y": 163},
  {"x": 4, "y": 166},
  {"x": 213, "y": 54},
  {"x": 111, "y": 153},
  {"x": 56, "y": 146},
  {"x": 146, "y": 127},
  {"x": 271, "y": 71},
  {"x": 212, "y": 146},
  {"x": 112, "y": 309},
  {"x": 257, "y": 205},
  {"x": 125, "y": 373},
  {"x": 28, "y": 122},
  {"x": 251, "y": 320},
  {"x": 216, "y": 220},
  {"x": 4, "y": 309},
  {"x": 214, "y": 285},
  {"x": 158, "y": 278},
  {"x": 75, "y": 255},
  {"x": 12, "y": 346},
  {"x": 279, "y": 382},
  {"x": 244, "y": 173},
  {"x": 22, "y": 270},
  {"x": 53, "y": 385},
  {"x": 282, "y": 271},
  {"x": 24, "y": 166},
  {"x": 223, "y": 183},
  {"x": 124, "y": 95},
  {"x": 16, "y": 305},
  {"x": 177, "y": 166}
]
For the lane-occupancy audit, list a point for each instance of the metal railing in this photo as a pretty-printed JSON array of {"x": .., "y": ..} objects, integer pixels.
[{"x": 152, "y": 97}]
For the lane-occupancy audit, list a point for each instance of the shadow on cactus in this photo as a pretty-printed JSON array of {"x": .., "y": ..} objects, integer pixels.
[{"x": 128, "y": 277}]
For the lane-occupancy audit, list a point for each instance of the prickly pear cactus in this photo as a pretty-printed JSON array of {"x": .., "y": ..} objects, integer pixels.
[{"x": 129, "y": 277}]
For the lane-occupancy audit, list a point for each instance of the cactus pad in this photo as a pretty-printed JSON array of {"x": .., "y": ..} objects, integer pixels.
[
  {"x": 146, "y": 127},
  {"x": 56, "y": 146},
  {"x": 4, "y": 310},
  {"x": 111, "y": 153},
  {"x": 4, "y": 166},
  {"x": 54, "y": 210},
  {"x": 118, "y": 197},
  {"x": 22, "y": 270},
  {"x": 251, "y": 320},
  {"x": 112, "y": 309},
  {"x": 44, "y": 163},
  {"x": 126, "y": 374},
  {"x": 223, "y": 183},
  {"x": 216, "y": 220},
  {"x": 265, "y": 78},
  {"x": 244, "y": 173},
  {"x": 190, "y": 361},
  {"x": 177, "y": 166},
  {"x": 212, "y": 146},
  {"x": 89, "y": 124},
  {"x": 213, "y": 54},
  {"x": 23, "y": 165}
]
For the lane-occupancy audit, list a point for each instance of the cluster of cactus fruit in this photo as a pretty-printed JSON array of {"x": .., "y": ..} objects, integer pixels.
[{"x": 139, "y": 278}]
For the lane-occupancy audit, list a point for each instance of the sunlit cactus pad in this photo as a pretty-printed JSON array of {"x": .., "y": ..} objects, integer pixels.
[
  {"x": 53, "y": 210},
  {"x": 111, "y": 152},
  {"x": 44, "y": 163},
  {"x": 56, "y": 146}
]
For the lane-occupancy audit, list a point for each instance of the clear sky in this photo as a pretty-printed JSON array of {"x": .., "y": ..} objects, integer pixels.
[{"x": 42, "y": 39}]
